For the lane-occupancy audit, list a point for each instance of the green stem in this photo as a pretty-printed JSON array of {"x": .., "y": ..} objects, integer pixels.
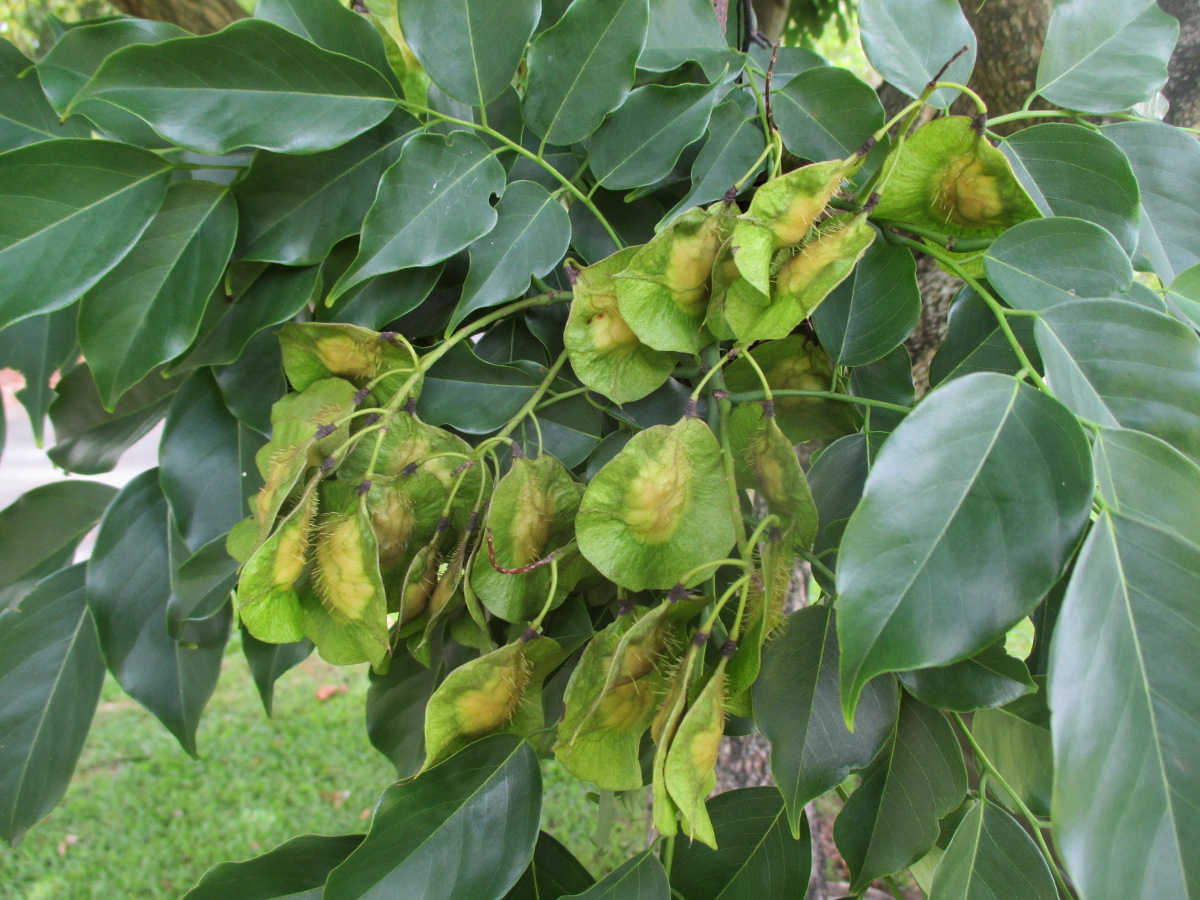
[
  {"x": 554, "y": 398},
  {"x": 914, "y": 106},
  {"x": 668, "y": 854},
  {"x": 719, "y": 411},
  {"x": 712, "y": 372},
  {"x": 981, "y": 758},
  {"x": 535, "y": 398},
  {"x": 1031, "y": 114},
  {"x": 949, "y": 241},
  {"x": 980, "y": 106},
  {"x": 737, "y": 185},
  {"x": 751, "y": 396},
  {"x": 536, "y": 624},
  {"x": 738, "y": 585},
  {"x": 711, "y": 564},
  {"x": 762, "y": 378},
  {"x": 813, "y": 560},
  {"x": 494, "y": 316}
]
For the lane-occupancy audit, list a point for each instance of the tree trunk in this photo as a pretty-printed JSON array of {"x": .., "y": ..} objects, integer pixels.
[
  {"x": 1183, "y": 86},
  {"x": 196, "y": 16}
]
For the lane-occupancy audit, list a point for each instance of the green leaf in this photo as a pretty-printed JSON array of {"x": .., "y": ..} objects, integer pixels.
[
  {"x": 331, "y": 26},
  {"x": 26, "y": 117},
  {"x": 874, "y": 310},
  {"x": 989, "y": 678},
  {"x": 1121, "y": 666},
  {"x": 1070, "y": 170},
  {"x": 640, "y": 143},
  {"x": 147, "y": 310},
  {"x": 252, "y": 383},
  {"x": 796, "y": 709},
  {"x": 757, "y": 855},
  {"x": 1103, "y": 56},
  {"x": 531, "y": 235},
  {"x": 1117, "y": 363},
  {"x": 297, "y": 868},
  {"x": 891, "y": 821},
  {"x": 1020, "y": 749},
  {"x": 826, "y": 112},
  {"x": 553, "y": 872},
  {"x": 64, "y": 188},
  {"x": 1166, "y": 162},
  {"x": 396, "y": 711},
  {"x": 90, "y": 439},
  {"x": 1044, "y": 262},
  {"x": 1184, "y": 294},
  {"x": 836, "y": 480},
  {"x": 942, "y": 488},
  {"x": 991, "y": 856},
  {"x": 465, "y": 828},
  {"x": 245, "y": 86},
  {"x": 38, "y": 347},
  {"x": 463, "y": 391},
  {"x": 975, "y": 343},
  {"x": 385, "y": 298},
  {"x": 732, "y": 144},
  {"x": 40, "y": 530},
  {"x": 640, "y": 878},
  {"x": 128, "y": 588},
  {"x": 432, "y": 203},
  {"x": 268, "y": 662},
  {"x": 200, "y": 582},
  {"x": 581, "y": 69},
  {"x": 199, "y": 465},
  {"x": 51, "y": 673},
  {"x": 294, "y": 208},
  {"x": 683, "y": 31},
  {"x": 909, "y": 43},
  {"x": 74, "y": 59},
  {"x": 470, "y": 48}
]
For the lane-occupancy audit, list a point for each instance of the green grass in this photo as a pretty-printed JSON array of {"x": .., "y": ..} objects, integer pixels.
[{"x": 142, "y": 819}]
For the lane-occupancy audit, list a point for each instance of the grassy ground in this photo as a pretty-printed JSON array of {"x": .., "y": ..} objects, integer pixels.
[{"x": 144, "y": 820}]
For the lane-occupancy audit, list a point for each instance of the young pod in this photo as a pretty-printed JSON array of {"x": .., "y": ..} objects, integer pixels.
[
  {"x": 266, "y": 596},
  {"x": 690, "y": 769}
]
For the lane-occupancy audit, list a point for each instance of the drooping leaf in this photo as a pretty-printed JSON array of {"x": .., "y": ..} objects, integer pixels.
[
  {"x": 1117, "y": 363},
  {"x": 531, "y": 235},
  {"x": 245, "y": 86},
  {"x": 686, "y": 31},
  {"x": 908, "y": 50},
  {"x": 432, "y": 202},
  {"x": 296, "y": 868},
  {"x": 26, "y": 116},
  {"x": 470, "y": 48},
  {"x": 991, "y": 856},
  {"x": 147, "y": 310},
  {"x": 640, "y": 878},
  {"x": 1039, "y": 264},
  {"x": 1070, "y": 170},
  {"x": 582, "y": 68},
  {"x": 396, "y": 712},
  {"x": 464, "y": 392},
  {"x": 465, "y": 828},
  {"x": 1103, "y": 57},
  {"x": 891, "y": 821},
  {"x": 331, "y": 26},
  {"x": 942, "y": 486},
  {"x": 796, "y": 708},
  {"x": 826, "y": 112},
  {"x": 733, "y": 142},
  {"x": 128, "y": 587},
  {"x": 38, "y": 347},
  {"x": 268, "y": 662},
  {"x": 836, "y": 479},
  {"x": 975, "y": 343},
  {"x": 51, "y": 672},
  {"x": 987, "y": 679},
  {"x": 61, "y": 189},
  {"x": 553, "y": 872}
]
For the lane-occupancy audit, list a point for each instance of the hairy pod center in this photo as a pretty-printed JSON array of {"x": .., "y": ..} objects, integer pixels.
[
  {"x": 342, "y": 354},
  {"x": 689, "y": 267},
  {"x": 966, "y": 195},
  {"x": 609, "y": 330},
  {"x": 289, "y": 554},
  {"x": 487, "y": 707},
  {"x": 531, "y": 523},
  {"x": 392, "y": 520},
  {"x": 801, "y": 270},
  {"x": 342, "y": 568},
  {"x": 655, "y": 499}
]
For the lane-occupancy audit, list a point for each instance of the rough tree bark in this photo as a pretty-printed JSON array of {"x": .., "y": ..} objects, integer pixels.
[{"x": 196, "y": 16}]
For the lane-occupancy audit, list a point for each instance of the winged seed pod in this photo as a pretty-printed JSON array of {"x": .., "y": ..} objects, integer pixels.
[
  {"x": 763, "y": 614},
  {"x": 691, "y": 760},
  {"x": 663, "y": 293},
  {"x": 316, "y": 350},
  {"x": 404, "y": 513},
  {"x": 766, "y": 461},
  {"x": 658, "y": 509},
  {"x": 666, "y": 723},
  {"x": 604, "y": 351},
  {"x": 266, "y": 596}
]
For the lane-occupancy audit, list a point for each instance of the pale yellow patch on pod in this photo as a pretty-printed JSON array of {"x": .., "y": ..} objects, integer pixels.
[
  {"x": 393, "y": 521},
  {"x": 289, "y": 554},
  {"x": 342, "y": 568},
  {"x": 342, "y": 354},
  {"x": 967, "y": 195},
  {"x": 531, "y": 523},
  {"x": 483, "y": 709},
  {"x": 656, "y": 495}
]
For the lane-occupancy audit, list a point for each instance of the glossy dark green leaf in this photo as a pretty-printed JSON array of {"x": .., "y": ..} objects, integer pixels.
[
  {"x": 975, "y": 343},
  {"x": 465, "y": 828},
  {"x": 890, "y": 380},
  {"x": 470, "y": 48},
  {"x": 891, "y": 821},
  {"x": 1103, "y": 56},
  {"x": 268, "y": 662},
  {"x": 796, "y": 709},
  {"x": 581, "y": 69},
  {"x": 732, "y": 144},
  {"x": 432, "y": 203},
  {"x": 1117, "y": 363},
  {"x": 989, "y": 678},
  {"x": 51, "y": 672},
  {"x": 1044, "y": 262},
  {"x": 1166, "y": 162},
  {"x": 984, "y": 461},
  {"x": 826, "y": 113},
  {"x": 37, "y": 347},
  {"x": 26, "y": 116},
  {"x": 297, "y": 869},
  {"x": 331, "y": 26},
  {"x": 91, "y": 439},
  {"x": 1016, "y": 739},
  {"x": 683, "y": 31},
  {"x": 253, "y": 382},
  {"x": 553, "y": 872},
  {"x": 571, "y": 429},
  {"x": 872, "y": 311},
  {"x": 530, "y": 238},
  {"x": 147, "y": 310},
  {"x": 201, "y": 582},
  {"x": 510, "y": 340},
  {"x": 1070, "y": 170},
  {"x": 908, "y": 49},
  {"x": 74, "y": 59},
  {"x": 396, "y": 712},
  {"x": 640, "y": 878},
  {"x": 757, "y": 857},
  {"x": 128, "y": 588},
  {"x": 42, "y": 528},
  {"x": 836, "y": 480},
  {"x": 65, "y": 188},
  {"x": 991, "y": 856},
  {"x": 198, "y": 460},
  {"x": 245, "y": 86},
  {"x": 1184, "y": 296},
  {"x": 1144, "y": 478},
  {"x": 385, "y": 298},
  {"x": 295, "y": 207},
  {"x": 1122, "y": 667},
  {"x": 640, "y": 143},
  {"x": 464, "y": 392}
]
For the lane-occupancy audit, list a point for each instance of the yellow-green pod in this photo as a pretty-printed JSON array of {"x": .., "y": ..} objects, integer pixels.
[
  {"x": 266, "y": 596},
  {"x": 691, "y": 763},
  {"x": 765, "y": 461},
  {"x": 666, "y": 723},
  {"x": 316, "y": 350},
  {"x": 763, "y": 614},
  {"x": 404, "y": 512},
  {"x": 419, "y": 582}
]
